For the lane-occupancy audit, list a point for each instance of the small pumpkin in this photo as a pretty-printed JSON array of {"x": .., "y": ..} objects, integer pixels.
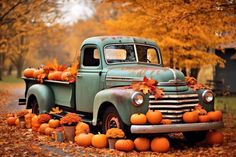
[
  {"x": 138, "y": 118},
  {"x": 84, "y": 139},
  {"x": 154, "y": 116},
  {"x": 215, "y": 115},
  {"x": 43, "y": 127},
  {"x": 190, "y": 117},
  {"x": 28, "y": 120},
  {"x": 142, "y": 144},
  {"x": 29, "y": 72},
  {"x": 160, "y": 145},
  {"x": 82, "y": 127},
  {"x": 166, "y": 121},
  {"x": 17, "y": 122},
  {"x": 11, "y": 121},
  {"x": 204, "y": 118},
  {"x": 54, "y": 123},
  {"x": 215, "y": 137},
  {"x": 124, "y": 145},
  {"x": 48, "y": 131},
  {"x": 35, "y": 123},
  {"x": 99, "y": 141}
]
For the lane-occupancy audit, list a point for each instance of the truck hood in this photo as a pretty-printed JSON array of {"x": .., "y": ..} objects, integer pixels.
[{"x": 118, "y": 76}]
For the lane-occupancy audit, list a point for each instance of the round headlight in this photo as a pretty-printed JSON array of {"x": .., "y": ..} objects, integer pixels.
[
  {"x": 207, "y": 96},
  {"x": 137, "y": 99}
]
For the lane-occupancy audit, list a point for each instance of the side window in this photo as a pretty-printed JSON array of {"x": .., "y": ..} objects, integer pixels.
[{"x": 91, "y": 57}]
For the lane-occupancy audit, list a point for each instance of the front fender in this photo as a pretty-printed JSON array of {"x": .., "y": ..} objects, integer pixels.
[
  {"x": 121, "y": 99},
  {"x": 44, "y": 96}
]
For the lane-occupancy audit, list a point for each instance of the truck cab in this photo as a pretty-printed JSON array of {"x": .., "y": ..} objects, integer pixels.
[{"x": 108, "y": 64}]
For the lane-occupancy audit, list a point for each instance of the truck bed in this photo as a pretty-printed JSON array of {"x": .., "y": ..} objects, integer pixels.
[{"x": 64, "y": 92}]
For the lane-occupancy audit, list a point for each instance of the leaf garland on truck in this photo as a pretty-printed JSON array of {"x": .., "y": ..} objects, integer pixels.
[
  {"x": 148, "y": 86},
  {"x": 192, "y": 83}
]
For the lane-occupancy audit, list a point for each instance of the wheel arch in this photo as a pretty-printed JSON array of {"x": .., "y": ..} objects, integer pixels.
[{"x": 44, "y": 96}]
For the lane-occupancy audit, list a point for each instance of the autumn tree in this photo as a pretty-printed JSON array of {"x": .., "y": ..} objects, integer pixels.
[
  {"x": 186, "y": 30},
  {"x": 19, "y": 21}
]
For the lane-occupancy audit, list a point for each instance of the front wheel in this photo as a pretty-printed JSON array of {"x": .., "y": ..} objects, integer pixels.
[
  {"x": 111, "y": 119},
  {"x": 195, "y": 136}
]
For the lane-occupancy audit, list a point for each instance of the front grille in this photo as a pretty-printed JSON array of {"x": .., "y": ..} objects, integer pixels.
[{"x": 173, "y": 106}]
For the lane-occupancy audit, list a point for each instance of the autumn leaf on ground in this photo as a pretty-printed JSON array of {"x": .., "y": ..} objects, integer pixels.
[{"x": 55, "y": 110}]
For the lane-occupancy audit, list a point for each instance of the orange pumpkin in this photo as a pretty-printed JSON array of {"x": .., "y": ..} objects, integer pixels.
[
  {"x": 215, "y": 115},
  {"x": 99, "y": 141},
  {"x": 29, "y": 72},
  {"x": 54, "y": 123},
  {"x": 154, "y": 116},
  {"x": 166, "y": 121},
  {"x": 35, "y": 123},
  {"x": 48, "y": 131},
  {"x": 160, "y": 145},
  {"x": 142, "y": 144},
  {"x": 38, "y": 72},
  {"x": 203, "y": 118},
  {"x": 84, "y": 139},
  {"x": 11, "y": 121},
  {"x": 215, "y": 137},
  {"x": 138, "y": 118},
  {"x": 28, "y": 120},
  {"x": 190, "y": 117},
  {"x": 124, "y": 145},
  {"x": 55, "y": 75},
  {"x": 82, "y": 127},
  {"x": 17, "y": 122},
  {"x": 43, "y": 127}
]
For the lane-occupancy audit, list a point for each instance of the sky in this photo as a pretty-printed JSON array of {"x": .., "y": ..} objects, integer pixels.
[{"x": 74, "y": 10}]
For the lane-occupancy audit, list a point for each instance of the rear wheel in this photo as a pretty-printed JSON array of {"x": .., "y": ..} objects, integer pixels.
[
  {"x": 195, "y": 136},
  {"x": 111, "y": 119},
  {"x": 35, "y": 106}
]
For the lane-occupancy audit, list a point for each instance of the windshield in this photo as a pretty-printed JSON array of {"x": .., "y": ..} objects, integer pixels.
[{"x": 131, "y": 54}]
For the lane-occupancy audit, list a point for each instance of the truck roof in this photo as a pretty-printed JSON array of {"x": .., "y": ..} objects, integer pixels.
[{"x": 104, "y": 40}]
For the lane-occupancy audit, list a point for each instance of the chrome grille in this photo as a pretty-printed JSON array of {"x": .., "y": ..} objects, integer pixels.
[{"x": 173, "y": 106}]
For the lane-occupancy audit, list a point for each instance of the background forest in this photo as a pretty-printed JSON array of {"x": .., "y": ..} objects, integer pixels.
[{"x": 33, "y": 32}]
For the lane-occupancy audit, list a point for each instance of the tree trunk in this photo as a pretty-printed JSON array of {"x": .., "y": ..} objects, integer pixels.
[
  {"x": 19, "y": 69},
  {"x": 9, "y": 71}
]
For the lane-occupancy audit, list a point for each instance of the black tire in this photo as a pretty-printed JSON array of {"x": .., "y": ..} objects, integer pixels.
[
  {"x": 111, "y": 119},
  {"x": 35, "y": 106},
  {"x": 195, "y": 136}
]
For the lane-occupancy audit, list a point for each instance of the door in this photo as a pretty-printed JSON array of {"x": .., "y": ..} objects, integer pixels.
[{"x": 88, "y": 78}]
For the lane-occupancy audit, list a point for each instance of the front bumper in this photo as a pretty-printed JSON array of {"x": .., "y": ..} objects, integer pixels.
[{"x": 170, "y": 128}]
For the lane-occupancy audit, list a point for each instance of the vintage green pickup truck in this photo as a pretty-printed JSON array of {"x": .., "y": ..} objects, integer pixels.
[{"x": 107, "y": 64}]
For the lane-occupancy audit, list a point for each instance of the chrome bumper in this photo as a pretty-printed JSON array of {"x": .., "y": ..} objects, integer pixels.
[{"x": 170, "y": 128}]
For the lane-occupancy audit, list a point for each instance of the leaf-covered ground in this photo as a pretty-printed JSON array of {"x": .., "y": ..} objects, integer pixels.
[{"x": 25, "y": 142}]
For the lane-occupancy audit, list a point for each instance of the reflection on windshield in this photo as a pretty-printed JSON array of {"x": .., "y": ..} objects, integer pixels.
[{"x": 126, "y": 54}]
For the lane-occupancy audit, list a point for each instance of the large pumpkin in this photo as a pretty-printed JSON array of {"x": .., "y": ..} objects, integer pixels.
[
  {"x": 99, "y": 141},
  {"x": 142, "y": 144},
  {"x": 54, "y": 123},
  {"x": 203, "y": 118},
  {"x": 43, "y": 127},
  {"x": 55, "y": 75},
  {"x": 11, "y": 120},
  {"x": 160, "y": 145},
  {"x": 38, "y": 72},
  {"x": 215, "y": 137},
  {"x": 48, "y": 131},
  {"x": 29, "y": 72},
  {"x": 124, "y": 145},
  {"x": 84, "y": 139},
  {"x": 154, "y": 116},
  {"x": 138, "y": 118},
  {"x": 215, "y": 115},
  {"x": 190, "y": 117}
]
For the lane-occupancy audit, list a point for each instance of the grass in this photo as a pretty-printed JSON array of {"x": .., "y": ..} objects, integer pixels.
[
  {"x": 226, "y": 104},
  {"x": 11, "y": 82}
]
